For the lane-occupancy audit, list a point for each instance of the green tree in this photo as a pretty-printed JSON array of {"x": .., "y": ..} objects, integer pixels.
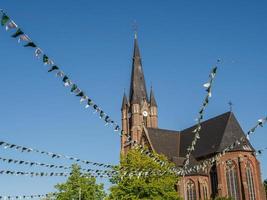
[
  {"x": 154, "y": 186},
  {"x": 265, "y": 186},
  {"x": 79, "y": 184}
]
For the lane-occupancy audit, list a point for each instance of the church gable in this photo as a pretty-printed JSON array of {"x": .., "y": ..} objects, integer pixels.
[
  {"x": 211, "y": 135},
  {"x": 233, "y": 132}
]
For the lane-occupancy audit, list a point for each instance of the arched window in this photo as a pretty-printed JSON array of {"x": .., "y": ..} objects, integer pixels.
[
  {"x": 250, "y": 182},
  {"x": 214, "y": 181},
  {"x": 232, "y": 180},
  {"x": 205, "y": 191},
  {"x": 191, "y": 190}
]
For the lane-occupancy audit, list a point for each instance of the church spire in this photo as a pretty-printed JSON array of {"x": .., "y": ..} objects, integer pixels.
[
  {"x": 152, "y": 98},
  {"x": 138, "y": 91},
  {"x": 124, "y": 102}
]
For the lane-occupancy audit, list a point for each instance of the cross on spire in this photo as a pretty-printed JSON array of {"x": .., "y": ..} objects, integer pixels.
[{"x": 230, "y": 106}]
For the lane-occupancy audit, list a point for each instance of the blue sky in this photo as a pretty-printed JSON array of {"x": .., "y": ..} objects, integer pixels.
[{"x": 92, "y": 41}]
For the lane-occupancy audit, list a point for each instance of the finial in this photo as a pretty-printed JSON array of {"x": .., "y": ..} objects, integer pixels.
[
  {"x": 135, "y": 28},
  {"x": 230, "y": 106}
]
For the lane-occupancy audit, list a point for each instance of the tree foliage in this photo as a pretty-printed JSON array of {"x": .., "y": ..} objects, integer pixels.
[
  {"x": 265, "y": 186},
  {"x": 79, "y": 184},
  {"x": 155, "y": 186}
]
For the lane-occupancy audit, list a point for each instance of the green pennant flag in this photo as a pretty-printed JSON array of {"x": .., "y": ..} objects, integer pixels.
[
  {"x": 45, "y": 58},
  {"x": 53, "y": 68},
  {"x": 30, "y": 44},
  {"x": 81, "y": 94},
  {"x": 18, "y": 33},
  {"x": 214, "y": 70},
  {"x": 4, "y": 19},
  {"x": 73, "y": 88}
]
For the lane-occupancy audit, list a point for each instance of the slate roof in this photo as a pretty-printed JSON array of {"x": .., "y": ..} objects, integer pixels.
[
  {"x": 216, "y": 134},
  {"x": 152, "y": 98},
  {"x": 138, "y": 90}
]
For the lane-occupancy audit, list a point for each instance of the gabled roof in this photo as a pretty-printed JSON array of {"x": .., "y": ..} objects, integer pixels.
[
  {"x": 216, "y": 134},
  {"x": 165, "y": 142},
  {"x": 138, "y": 86}
]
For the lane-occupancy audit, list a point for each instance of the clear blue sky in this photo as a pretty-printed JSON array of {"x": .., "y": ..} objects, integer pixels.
[{"x": 92, "y": 41}]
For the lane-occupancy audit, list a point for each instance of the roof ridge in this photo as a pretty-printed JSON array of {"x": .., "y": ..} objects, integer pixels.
[{"x": 212, "y": 118}]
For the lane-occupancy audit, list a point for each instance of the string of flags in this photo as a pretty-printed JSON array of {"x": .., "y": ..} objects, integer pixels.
[
  {"x": 241, "y": 141},
  {"x": 23, "y": 149},
  {"x": 35, "y": 196},
  {"x": 19, "y": 34},
  {"x": 33, "y": 163},
  {"x": 196, "y": 131},
  {"x": 99, "y": 174},
  {"x": 10, "y": 24}
]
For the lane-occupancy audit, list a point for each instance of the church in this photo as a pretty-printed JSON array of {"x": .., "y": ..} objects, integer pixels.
[{"x": 237, "y": 174}]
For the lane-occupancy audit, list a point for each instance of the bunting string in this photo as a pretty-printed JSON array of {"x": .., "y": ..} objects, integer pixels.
[
  {"x": 33, "y": 163},
  {"x": 196, "y": 131},
  {"x": 35, "y": 196},
  {"x": 19, "y": 34},
  {"x": 23, "y": 149},
  {"x": 100, "y": 174},
  {"x": 241, "y": 141}
]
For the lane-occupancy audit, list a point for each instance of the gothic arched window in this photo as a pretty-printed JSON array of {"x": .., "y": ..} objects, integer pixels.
[
  {"x": 205, "y": 191},
  {"x": 250, "y": 182},
  {"x": 214, "y": 181},
  {"x": 232, "y": 180},
  {"x": 191, "y": 190}
]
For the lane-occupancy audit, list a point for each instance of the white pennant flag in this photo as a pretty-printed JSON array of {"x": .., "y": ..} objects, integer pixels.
[
  {"x": 11, "y": 25},
  {"x": 209, "y": 94},
  {"x": 24, "y": 38},
  {"x": 38, "y": 52},
  {"x": 207, "y": 85}
]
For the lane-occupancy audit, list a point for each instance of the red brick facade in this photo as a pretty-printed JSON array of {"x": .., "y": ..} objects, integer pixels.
[{"x": 240, "y": 161}]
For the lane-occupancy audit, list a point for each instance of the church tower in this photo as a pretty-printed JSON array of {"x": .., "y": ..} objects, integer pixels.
[{"x": 140, "y": 110}]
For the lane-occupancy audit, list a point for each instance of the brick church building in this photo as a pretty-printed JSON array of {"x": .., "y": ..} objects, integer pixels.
[{"x": 237, "y": 174}]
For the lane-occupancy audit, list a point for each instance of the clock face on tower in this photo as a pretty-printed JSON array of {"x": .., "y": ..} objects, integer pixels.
[{"x": 145, "y": 114}]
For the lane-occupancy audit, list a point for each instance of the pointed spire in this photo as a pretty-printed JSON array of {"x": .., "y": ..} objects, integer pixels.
[
  {"x": 152, "y": 98},
  {"x": 124, "y": 102},
  {"x": 138, "y": 86}
]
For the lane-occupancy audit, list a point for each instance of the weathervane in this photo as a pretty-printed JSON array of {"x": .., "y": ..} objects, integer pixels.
[{"x": 230, "y": 105}]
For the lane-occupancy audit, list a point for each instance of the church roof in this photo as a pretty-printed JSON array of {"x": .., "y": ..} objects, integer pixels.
[
  {"x": 138, "y": 90},
  {"x": 216, "y": 134},
  {"x": 152, "y": 98},
  {"x": 165, "y": 142}
]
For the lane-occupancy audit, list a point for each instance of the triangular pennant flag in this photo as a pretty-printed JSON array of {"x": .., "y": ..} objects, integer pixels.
[
  {"x": 60, "y": 74},
  {"x": 84, "y": 98},
  {"x": 11, "y": 25},
  {"x": 207, "y": 85},
  {"x": 53, "y": 68},
  {"x": 80, "y": 94},
  {"x": 73, "y": 88},
  {"x": 18, "y": 33},
  {"x": 4, "y": 19},
  {"x": 38, "y": 52},
  {"x": 24, "y": 38},
  {"x": 30, "y": 44}
]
